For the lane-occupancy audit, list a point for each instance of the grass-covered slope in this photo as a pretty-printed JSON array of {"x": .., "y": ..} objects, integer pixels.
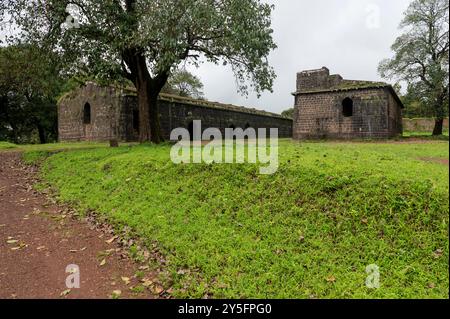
[{"x": 310, "y": 230}]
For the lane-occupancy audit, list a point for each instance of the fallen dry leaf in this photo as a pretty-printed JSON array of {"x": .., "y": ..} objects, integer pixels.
[
  {"x": 21, "y": 245},
  {"x": 438, "y": 253},
  {"x": 116, "y": 294},
  {"x": 12, "y": 241},
  {"x": 103, "y": 262},
  {"x": 143, "y": 267},
  {"x": 40, "y": 247},
  {"x": 126, "y": 280},
  {"x": 146, "y": 282},
  {"x": 65, "y": 292},
  {"x": 109, "y": 241},
  {"x": 331, "y": 279},
  {"x": 157, "y": 289}
]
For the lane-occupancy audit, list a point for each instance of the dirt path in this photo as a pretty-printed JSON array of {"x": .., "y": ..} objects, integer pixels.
[{"x": 38, "y": 241}]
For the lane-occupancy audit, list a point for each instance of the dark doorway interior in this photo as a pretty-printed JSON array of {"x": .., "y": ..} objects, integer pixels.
[
  {"x": 347, "y": 107},
  {"x": 87, "y": 114}
]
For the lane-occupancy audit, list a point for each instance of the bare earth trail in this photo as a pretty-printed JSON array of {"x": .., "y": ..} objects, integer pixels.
[{"x": 38, "y": 242}]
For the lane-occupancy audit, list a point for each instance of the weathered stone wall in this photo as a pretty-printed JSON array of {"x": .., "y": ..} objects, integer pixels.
[
  {"x": 320, "y": 115},
  {"x": 421, "y": 124},
  {"x": 105, "y": 107},
  {"x": 317, "y": 80},
  {"x": 175, "y": 114},
  {"x": 112, "y": 113}
]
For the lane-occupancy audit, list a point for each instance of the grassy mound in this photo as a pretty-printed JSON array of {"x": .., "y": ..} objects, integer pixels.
[{"x": 310, "y": 230}]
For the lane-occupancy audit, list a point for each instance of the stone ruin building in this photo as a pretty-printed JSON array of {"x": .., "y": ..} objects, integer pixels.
[
  {"x": 98, "y": 113},
  {"x": 328, "y": 106}
]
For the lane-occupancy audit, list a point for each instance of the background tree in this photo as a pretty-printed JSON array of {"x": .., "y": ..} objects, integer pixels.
[
  {"x": 288, "y": 113},
  {"x": 421, "y": 55},
  {"x": 29, "y": 85},
  {"x": 183, "y": 83},
  {"x": 144, "y": 40}
]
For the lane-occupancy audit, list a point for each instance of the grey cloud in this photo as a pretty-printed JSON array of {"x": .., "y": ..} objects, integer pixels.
[{"x": 312, "y": 34}]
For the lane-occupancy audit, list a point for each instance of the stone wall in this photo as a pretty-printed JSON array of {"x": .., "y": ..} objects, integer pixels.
[
  {"x": 113, "y": 112},
  {"x": 105, "y": 106},
  {"x": 175, "y": 114},
  {"x": 421, "y": 125},
  {"x": 315, "y": 79},
  {"x": 320, "y": 115}
]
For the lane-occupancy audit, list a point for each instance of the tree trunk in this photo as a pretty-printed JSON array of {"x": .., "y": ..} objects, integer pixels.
[
  {"x": 41, "y": 131},
  {"x": 439, "y": 110},
  {"x": 144, "y": 113},
  {"x": 438, "y": 127},
  {"x": 155, "y": 126}
]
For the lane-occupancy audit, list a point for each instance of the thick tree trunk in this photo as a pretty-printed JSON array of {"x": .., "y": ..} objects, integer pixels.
[
  {"x": 144, "y": 113},
  {"x": 149, "y": 126},
  {"x": 155, "y": 126},
  {"x": 148, "y": 90},
  {"x": 439, "y": 115},
  {"x": 438, "y": 127}
]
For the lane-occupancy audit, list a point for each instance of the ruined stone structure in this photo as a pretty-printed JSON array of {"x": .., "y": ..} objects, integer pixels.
[
  {"x": 328, "y": 106},
  {"x": 95, "y": 113}
]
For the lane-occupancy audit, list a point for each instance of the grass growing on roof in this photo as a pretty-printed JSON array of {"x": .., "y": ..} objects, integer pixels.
[{"x": 310, "y": 230}]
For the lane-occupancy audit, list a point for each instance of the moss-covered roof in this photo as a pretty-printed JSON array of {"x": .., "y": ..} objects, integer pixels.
[{"x": 349, "y": 85}]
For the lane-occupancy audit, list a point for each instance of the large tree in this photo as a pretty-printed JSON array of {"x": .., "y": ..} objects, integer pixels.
[
  {"x": 144, "y": 40},
  {"x": 421, "y": 55},
  {"x": 29, "y": 84},
  {"x": 183, "y": 83}
]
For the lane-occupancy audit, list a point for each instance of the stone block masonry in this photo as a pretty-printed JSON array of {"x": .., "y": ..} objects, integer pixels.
[
  {"x": 328, "y": 106},
  {"x": 114, "y": 114}
]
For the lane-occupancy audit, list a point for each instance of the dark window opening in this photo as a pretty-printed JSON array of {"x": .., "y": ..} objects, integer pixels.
[
  {"x": 136, "y": 120},
  {"x": 87, "y": 114},
  {"x": 191, "y": 130},
  {"x": 347, "y": 107}
]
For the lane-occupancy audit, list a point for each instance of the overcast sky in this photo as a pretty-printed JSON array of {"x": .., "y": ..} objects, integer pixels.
[{"x": 350, "y": 37}]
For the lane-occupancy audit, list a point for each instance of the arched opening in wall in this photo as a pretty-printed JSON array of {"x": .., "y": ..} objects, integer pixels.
[
  {"x": 347, "y": 107},
  {"x": 136, "y": 120},
  {"x": 190, "y": 129},
  {"x": 87, "y": 114}
]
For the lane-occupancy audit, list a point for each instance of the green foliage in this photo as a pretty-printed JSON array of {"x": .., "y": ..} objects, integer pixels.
[
  {"x": 288, "y": 113},
  {"x": 143, "y": 40},
  {"x": 29, "y": 84},
  {"x": 421, "y": 54},
  {"x": 183, "y": 83},
  {"x": 329, "y": 211}
]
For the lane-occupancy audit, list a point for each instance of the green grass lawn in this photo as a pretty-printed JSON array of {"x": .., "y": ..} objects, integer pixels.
[
  {"x": 310, "y": 230},
  {"x": 52, "y": 147}
]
